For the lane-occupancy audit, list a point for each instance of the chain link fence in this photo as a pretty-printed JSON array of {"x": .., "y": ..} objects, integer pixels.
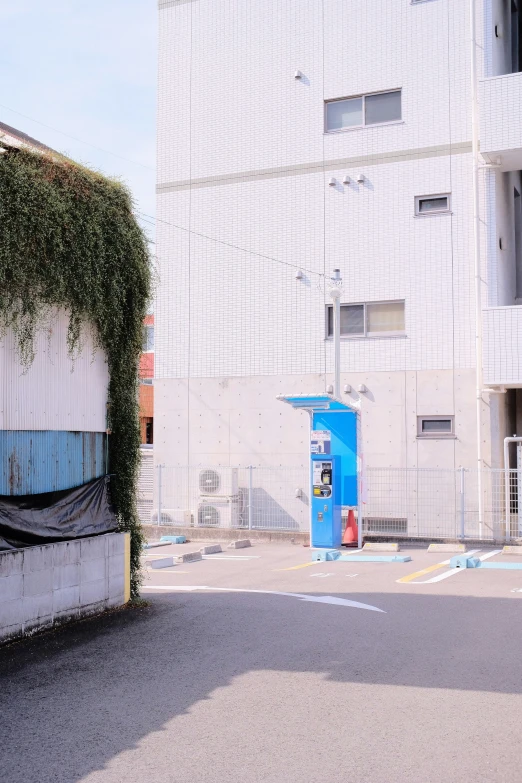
[{"x": 399, "y": 503}]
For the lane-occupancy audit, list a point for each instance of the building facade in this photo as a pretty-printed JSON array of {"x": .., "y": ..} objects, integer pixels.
[
  {"x": 299, "y": 136},
  {"x": 146, "y": 390}
]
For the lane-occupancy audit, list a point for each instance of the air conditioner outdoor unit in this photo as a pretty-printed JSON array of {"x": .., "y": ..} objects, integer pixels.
[
  {"x": 218, "y": 482},
  {"x": 172, "y": 516},
  {"x": 218, "y": 512}
]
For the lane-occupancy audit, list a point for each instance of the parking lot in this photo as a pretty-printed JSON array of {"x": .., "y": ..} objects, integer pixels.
[{"x": 257, "y": 664}]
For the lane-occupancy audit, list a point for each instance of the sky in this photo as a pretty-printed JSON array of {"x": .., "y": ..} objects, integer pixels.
[{"x": 86, "y": 68}]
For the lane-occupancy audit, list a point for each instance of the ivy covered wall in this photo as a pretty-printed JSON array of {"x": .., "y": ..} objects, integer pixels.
[{"x": 69, "y": 240}]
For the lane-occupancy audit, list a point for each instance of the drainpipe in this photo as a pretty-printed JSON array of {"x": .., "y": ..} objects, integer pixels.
[
  {"x": 507, "y": 493},
  {"x": 476, "y": 253}
]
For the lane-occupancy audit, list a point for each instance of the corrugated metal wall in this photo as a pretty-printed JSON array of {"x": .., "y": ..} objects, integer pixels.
[
  {"x": 37, "y": 461},
  {"x": 56, "y": 393}
]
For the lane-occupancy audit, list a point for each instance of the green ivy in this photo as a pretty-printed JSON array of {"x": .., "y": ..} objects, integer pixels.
[{"x": 68, "y": 240}]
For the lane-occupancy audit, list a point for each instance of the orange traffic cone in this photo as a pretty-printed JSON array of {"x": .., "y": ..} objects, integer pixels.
[{"x": 351, "y": 533}]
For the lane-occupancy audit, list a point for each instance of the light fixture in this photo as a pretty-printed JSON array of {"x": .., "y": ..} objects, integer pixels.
[
  {"x": 498, "y": 31},
  {"x": 298, "y": 75},
  {"x": 332, "y": 181},
  {"x": 360, "y": 177},
  {"x": 347, "y": 389},
  {"x": 329, "y": 389},
  {"x": 298, "y": 275},
  {"x": 346, "y": 180},
  {"x": 362, "y": 388},
  {"x": 298, "y": 493}
]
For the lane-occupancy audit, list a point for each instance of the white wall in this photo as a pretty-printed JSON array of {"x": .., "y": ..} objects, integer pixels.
[
  {"x": 44, "y": 585},
  {"x": 243, "y": 160},
  {"x": 57, "y": 392}
]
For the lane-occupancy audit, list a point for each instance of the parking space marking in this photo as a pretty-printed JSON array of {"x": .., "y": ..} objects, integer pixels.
[
  {"x": 296, "y": 568},
  {"x": 490, "y": 554},
  {"x": 424, "y": 571},
  {"x": 231, "y": 557},
  {"x": 429, "y": 569},
  {"x": 321, "y": 574}
]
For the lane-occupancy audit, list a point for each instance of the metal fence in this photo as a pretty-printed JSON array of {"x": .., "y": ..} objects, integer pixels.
[
  {"x": 403, "y": 503},
  {"x": 436, "y": 503}
]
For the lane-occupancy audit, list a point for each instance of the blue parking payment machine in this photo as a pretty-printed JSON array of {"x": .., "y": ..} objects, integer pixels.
[{"x": 326, "y": 525}]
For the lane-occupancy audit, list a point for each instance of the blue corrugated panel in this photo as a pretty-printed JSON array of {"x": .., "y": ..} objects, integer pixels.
[{"x": 44, "y": 461}]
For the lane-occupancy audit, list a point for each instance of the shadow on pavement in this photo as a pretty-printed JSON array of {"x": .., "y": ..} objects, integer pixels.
[{"x": 74, "y": 699}]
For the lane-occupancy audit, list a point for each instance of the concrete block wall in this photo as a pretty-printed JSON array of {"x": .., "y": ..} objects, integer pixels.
[{"x": 44, "y": 585}]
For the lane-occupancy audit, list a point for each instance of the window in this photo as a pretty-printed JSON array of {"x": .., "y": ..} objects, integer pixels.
[
  {"x": 148, "y": 338},
  {"x": 435, "y": 427},
  {"x": 432, "y": 205},
  {"x": 374, "y": 319},
  {"x": 146, "y": 381},
  {"x": 376, "y": 109}
]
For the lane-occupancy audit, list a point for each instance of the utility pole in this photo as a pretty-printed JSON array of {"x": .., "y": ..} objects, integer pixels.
[{"x": 335, "y": 293}]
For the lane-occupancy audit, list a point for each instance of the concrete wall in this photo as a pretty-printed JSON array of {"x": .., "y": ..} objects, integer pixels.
[{"x": 44, "y": 585}]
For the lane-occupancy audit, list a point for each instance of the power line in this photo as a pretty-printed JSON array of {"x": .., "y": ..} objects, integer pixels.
[
  {"x": 230, "y": 244},
  {"x": 74, "y": 138}
]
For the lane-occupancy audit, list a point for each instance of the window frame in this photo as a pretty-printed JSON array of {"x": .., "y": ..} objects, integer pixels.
[
  {"x": 436, "y": 435},
  {"x": 365, "y": 334},
  {"x": 363, "y": 96},
  {"x": 147, "y": 330},
  {"x": 434, "y": 212}
]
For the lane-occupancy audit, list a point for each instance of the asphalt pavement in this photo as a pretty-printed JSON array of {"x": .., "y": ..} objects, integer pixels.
[{"x": 256, "y": 665}]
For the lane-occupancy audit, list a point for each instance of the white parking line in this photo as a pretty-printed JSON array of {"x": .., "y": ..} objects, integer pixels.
[
  {"x": 454, "y": 571},
  {"x": 231, "y": 557}
]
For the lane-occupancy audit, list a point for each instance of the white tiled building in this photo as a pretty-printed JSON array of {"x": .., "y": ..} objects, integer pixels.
[{"x": 260, "y": 177}]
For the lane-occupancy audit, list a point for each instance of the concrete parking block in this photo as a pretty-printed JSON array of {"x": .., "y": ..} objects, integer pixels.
[
  {"x": 455, "y": 548},
  {"x": 189, "y": 557},
  {"x": 377, "y": 546},
  {"x": 164, "y": 562},
  {"x": 173, "y": 540},
  {"x": 241, "y": 544},
  {"x": 512, "y": 550},
  {"x": 155, "y": 544},
  {"x": 211, "y": 549}
]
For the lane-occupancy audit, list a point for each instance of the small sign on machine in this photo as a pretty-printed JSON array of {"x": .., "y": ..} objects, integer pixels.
[{"x": 320, "y": 442}]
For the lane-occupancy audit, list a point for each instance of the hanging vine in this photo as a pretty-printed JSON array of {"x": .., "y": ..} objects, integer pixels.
[{"x": 68, "y": 240}]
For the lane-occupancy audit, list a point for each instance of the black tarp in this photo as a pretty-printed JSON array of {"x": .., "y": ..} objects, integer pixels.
[{"x": 29, "y": 520}]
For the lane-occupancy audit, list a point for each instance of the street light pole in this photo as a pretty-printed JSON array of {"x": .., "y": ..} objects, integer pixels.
[{"x": 335, "y": 293}]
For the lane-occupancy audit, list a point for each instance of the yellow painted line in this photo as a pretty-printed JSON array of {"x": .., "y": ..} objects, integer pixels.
[
  {"x": 295, "y": 568},
  {"x": 428, "y": 570},
  {"x": 126, "y": 551}
]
